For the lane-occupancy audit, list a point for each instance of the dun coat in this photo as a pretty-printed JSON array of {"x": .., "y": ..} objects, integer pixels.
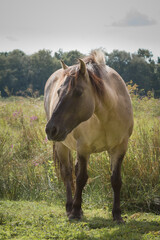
[{"x": 88, "y": 110}]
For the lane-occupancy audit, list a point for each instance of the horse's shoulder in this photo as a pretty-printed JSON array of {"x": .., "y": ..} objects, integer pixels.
[{"x": 115, "y": 81}]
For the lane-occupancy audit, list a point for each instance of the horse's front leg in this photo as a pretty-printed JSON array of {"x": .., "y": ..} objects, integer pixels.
[
  {"x": 81, "y": 179},
  {"x": 64, "y": 160}
]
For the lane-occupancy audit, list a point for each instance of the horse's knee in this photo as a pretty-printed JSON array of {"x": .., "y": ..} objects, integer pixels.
[{"x": 116, "y": 181}]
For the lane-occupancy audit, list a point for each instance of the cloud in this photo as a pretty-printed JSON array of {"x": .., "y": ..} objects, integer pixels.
[
  {"x": 11, "y": 38},
  {"x": 134, "y": 19}
]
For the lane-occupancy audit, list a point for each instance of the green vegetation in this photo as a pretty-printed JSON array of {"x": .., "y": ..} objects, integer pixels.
[
  {"x": 27, "y": 173},
  {"x": 23, "y": 75},
  {"x": 34, "y": 220},
  {"x": 27, "y": 170}
]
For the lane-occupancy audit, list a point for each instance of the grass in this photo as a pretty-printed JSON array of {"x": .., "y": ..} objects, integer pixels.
[
  {"x": 27, "y": 173},
  {"x": 24, "y": 151},
  {"x": 39, "y": 220},
  {"x": 27, "y": 170}
]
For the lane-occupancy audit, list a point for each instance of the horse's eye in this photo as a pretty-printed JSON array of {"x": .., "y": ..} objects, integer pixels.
[
  {"x": 58, "y": 92},
  {"x": 78, "y": 92}
]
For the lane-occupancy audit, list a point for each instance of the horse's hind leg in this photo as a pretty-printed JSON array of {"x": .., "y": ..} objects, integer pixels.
[
  {"x": 64, "y": 159},
  {"x": 116, "y": 161}
]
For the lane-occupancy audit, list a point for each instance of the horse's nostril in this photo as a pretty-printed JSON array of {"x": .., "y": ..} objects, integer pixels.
[
  {"x": 51, "y": 132},
  {"x": 47, "y": 130},
  {"x": 54, "y": 131}
]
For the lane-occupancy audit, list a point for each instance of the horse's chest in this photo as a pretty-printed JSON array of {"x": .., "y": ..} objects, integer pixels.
[
  {"x": 90, "y": 145},
  {"x": 88, "y": 137}
]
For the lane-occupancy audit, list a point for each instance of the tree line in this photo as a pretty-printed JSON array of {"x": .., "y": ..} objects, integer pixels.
[{"x": 22, "y": 74}]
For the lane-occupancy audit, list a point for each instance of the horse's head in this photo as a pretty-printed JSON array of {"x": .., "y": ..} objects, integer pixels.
[{"x": 75, "y": 103}]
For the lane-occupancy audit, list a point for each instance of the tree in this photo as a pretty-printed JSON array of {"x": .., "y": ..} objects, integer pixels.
[
  {"x": 41, "y": 67},
  {"x": 119, "y": 60},
  {"x": 156, "y": 81},
  {"x": 70, "y": 57},
  {"x": 59, "y": 55},
  {"x": 19, "y": 71},
  {"x": 145, "y": 53},
  {"x": 12, "y": 73},
  {"x": 3, "y": 73},
  {"x": 140, "y": 72}
]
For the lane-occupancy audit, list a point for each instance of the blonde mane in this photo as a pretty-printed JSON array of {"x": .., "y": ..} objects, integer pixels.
[
  {"x": 96, "y": 56},
  {"x": 94, "y": 64}
]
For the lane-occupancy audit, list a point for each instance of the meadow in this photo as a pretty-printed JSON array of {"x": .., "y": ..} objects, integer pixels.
[
  {"x": 41, "y": 220},
  {"x": 28, "y": 180}
]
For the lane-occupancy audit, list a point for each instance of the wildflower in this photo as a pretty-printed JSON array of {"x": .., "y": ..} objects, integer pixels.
[
  {"x": 35, "y": 163},
  {"x": 45, "y": 140},
  {"x": 33, "y": 118},
  {"x": 16, "y": 113}
]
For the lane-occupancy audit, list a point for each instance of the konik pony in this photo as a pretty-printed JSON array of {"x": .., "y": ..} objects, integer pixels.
[{"x": 89, "y": 110}]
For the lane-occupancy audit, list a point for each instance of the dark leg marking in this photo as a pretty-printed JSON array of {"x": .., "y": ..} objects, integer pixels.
[{"x": 116, "y": 185}]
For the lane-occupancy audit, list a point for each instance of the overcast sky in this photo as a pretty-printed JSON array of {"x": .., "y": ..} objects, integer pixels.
[{"x": 31, "y": 25}]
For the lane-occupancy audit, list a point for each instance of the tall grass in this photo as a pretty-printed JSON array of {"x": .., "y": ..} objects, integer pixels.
[
  {"x": 24, "y": 151},
  {"x": 26, "y": 164},
  {"x": 141, "y": 165}
]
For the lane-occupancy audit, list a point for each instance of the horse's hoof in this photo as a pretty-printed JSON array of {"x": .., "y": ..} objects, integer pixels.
[
  {"x": 68, "y": 213},
  {"x": 81, "y": 212},
  {"x": 119, "y": 220},
  {"x": 74, "y": 217},
  {"x": 77, "y": 215}
]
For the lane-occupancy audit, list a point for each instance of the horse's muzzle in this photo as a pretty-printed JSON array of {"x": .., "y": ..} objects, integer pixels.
[
  {"x": 51, "y": 132},
  {"x": 55, "y": 134}
]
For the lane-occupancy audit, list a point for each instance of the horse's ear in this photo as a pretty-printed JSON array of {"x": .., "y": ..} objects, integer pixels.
[
  {"x": 64, "y": 66},
  {"x": 83, "y": 68}
]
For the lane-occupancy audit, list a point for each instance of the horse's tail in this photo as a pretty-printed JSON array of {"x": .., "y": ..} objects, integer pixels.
[
  {"x": 56, "y": 161},
  {"x": 58, "y": 166}
]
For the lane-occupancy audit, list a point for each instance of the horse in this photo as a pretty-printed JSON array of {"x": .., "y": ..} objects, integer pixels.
[{"x": 88, "y": 110}]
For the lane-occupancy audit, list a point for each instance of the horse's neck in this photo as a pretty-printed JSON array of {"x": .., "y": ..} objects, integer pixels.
[{"x": 104, "y": 106}]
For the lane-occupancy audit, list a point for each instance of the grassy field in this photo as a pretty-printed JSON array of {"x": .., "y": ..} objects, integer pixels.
[
  {"x": 27, "y": 174},
  {"x": 39, "y": 220}
]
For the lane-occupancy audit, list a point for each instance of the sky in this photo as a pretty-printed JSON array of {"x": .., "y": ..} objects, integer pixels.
[{"x": 83, "y": 25}]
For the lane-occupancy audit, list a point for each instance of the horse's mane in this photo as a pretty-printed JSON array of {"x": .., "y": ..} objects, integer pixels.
[{"x": 95, "y": 63}]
